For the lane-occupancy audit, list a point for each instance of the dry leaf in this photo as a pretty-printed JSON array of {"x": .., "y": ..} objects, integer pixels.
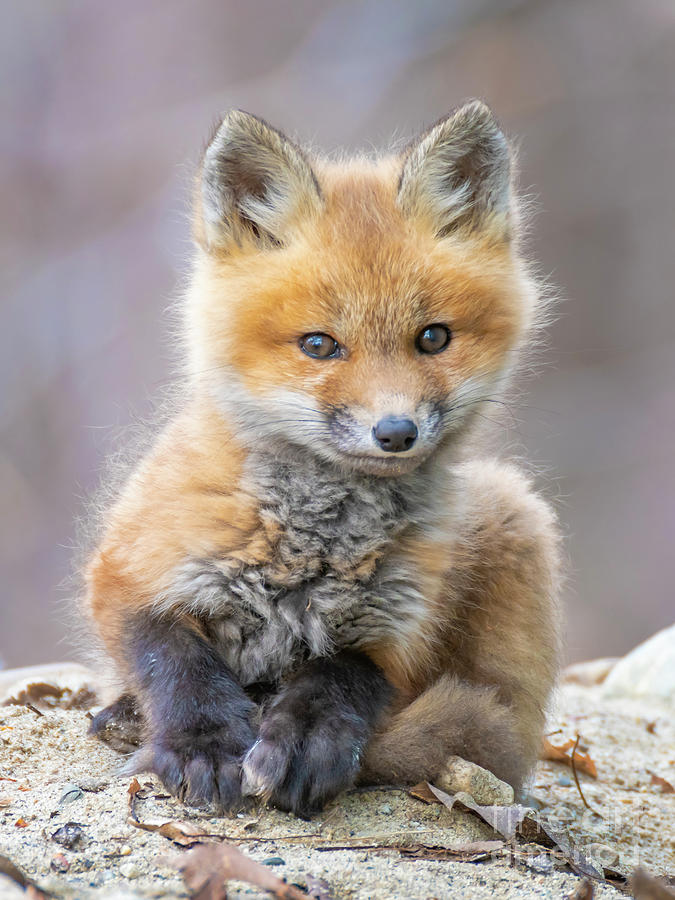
[
  {"x": 133, "y": 789},
  {"x": 510, "y": 821},
  {"x": 666, "y": 786},
  {"x": 50, "y": 695},
  {"x": 422, "y": 792},
  {"x": 206, "y": 869},
  {"x": 582, "y": 761},
  {"x": 504, "y": 819},
  {"x": 185, "y": 834},
  {"x": 21, "y": 823}
]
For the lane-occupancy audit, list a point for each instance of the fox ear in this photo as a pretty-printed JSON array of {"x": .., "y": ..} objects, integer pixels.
[
  {"x": 458, "y": 174},
  {"x": 255, "y": 185}
]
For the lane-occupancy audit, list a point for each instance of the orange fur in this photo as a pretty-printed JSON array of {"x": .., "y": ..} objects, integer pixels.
[{"x": 356, "y": 263}]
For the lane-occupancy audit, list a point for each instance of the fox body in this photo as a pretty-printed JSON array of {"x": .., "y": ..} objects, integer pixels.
[{"x": 312, "y": 576}]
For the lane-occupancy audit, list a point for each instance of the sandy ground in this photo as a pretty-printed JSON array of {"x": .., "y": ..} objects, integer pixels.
[{"x": 52, "y": 774}]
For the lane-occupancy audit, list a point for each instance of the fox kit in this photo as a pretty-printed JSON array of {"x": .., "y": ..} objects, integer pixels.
[{"x": 313, "y": 577}]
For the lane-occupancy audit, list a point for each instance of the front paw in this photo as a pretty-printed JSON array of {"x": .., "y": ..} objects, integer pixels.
[
  {"x": 301, "y": 770},
  {"x": 202, "y": 769}
]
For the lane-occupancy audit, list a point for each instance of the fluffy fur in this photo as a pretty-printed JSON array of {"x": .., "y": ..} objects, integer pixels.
[{"x": 288, "y": 605}]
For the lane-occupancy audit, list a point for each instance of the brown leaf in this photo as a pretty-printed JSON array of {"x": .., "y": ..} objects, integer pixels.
[
  {"x": 582, "y": 761},
  {"x": 666, "y": 786},
  {"x": 423, "y": 792},
  {"x": 21, "y": 823},
  {"x": 646, "y": 887},
  {"x": 185, "y": 834},
  {"x": 134, "y": 788},
  {"x": 50, "y": 695},
  {"x": 206, "y": 869}
]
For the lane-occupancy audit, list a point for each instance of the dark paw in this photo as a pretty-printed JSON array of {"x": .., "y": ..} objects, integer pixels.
[
  {"x": 119, "y": 725},
  {"x": 298, "y": 771},
  {"x": 201, "y": 769}
]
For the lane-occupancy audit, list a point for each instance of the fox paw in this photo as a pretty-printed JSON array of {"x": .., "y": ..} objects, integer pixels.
[
  {"x": 302, "y": 772},
  {"x": 202, "y": 770}
]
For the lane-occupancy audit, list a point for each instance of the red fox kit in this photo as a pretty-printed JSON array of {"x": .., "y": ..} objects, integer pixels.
[{"x": 311, "y": 578}]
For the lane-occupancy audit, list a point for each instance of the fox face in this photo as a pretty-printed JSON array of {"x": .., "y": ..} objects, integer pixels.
[{"x": 363, "y": 310}]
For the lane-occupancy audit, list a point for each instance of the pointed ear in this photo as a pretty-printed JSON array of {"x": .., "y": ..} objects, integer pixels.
[
  {"x": 458, "y": 174},
  {"x": 255, "y": 184}
]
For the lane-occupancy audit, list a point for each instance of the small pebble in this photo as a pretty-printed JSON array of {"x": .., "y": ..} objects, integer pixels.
[
  {"x": 125, "y": 850},
  {"x": 541, "y": 863},
  {"x": 605, "y": 855},
  {"x": 564, "y": 780},
  {"x": 129, "y": 870},
  {"x": 59, "y": 863},
  {"x": 94, "y": 785},
  {"x": 385, "y": 809},
  {"x": 71, "y": 836},
  {"x": 70, "y": 793},
  {"x": 274, "y": 861}
]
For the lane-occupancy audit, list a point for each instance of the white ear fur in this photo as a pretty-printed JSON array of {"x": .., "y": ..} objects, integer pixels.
[
  {"x": 458, "y": 174},
  {"x": 255, "y": 183}
]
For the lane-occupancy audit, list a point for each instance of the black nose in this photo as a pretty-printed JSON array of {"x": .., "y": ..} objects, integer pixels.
[{"x": 395, "y": 434}]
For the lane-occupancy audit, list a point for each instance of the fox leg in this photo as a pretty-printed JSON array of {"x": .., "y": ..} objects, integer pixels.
[
  {"x": 486, "y": 694},
  {"x": 314, "y": 732},
  {"x": 197, "y": 718}
]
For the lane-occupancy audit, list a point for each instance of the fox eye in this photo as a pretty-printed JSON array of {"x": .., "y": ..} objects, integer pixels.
[
  {"x": 319, "y": 346},
  {"x": 433, "y": 339}
]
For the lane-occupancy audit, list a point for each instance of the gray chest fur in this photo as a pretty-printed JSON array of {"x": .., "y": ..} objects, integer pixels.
[{"x": 331, "y": 581}]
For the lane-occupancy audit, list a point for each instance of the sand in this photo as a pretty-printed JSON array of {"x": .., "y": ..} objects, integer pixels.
[{"x": 52, "y": 774}]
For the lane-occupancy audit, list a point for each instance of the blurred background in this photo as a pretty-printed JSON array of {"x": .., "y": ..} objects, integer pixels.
[{"x": 105, "y": 107}]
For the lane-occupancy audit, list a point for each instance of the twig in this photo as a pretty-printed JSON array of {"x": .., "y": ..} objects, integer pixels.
[{"x": 576, "y": 777}]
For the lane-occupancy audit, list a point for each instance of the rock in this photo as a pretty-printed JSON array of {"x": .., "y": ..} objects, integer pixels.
[
  {"x": 70, "y": 793},
  {"x": 589, "y": 673},
  {"x": 485, "y": 788},
  {"x": 603, "y": 854},
  {"x": 647, "y": 672},
  {"x": 59, "y": 863},
  {"x": 130, "y": 870},
  {"x": 385, "y": 809},
  {"x": 71, "y": 836}
]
